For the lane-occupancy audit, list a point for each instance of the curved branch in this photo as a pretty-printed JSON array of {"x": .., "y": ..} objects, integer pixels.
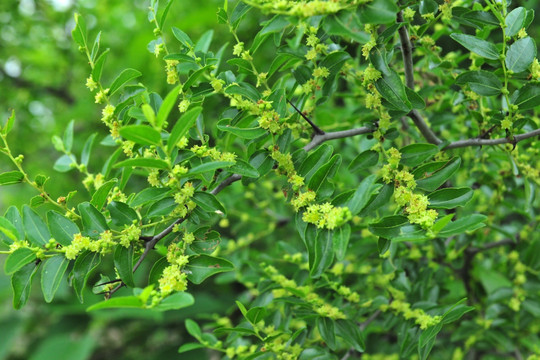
[
  {"x": 320, "y": 138},
  {"x": 424, "y": 129},
  {"x": 482, "y": 142},
  {"x": 228, "y": 181}
]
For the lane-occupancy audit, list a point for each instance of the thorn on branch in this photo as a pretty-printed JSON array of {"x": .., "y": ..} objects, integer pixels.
[{"x": 316, "y": 129}]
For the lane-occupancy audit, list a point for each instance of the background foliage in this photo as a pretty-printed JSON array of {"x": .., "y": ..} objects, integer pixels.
[{"x": 400, "y": 284}]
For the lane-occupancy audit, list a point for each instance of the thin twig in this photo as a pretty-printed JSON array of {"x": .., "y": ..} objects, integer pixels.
[
  {"x": 317, "y": 130},
  {"x": 482, "y": 142},
  {"x": 319, "y": 139},
  {"x": 475, "y": 250},
  {"x": 228, "y": 181},
  {"x": 369, "y": 320}
]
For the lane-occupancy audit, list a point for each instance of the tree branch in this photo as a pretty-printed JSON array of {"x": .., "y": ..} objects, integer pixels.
[
  {"x": 475, "y": 250},
  {"x": 406, "y": 51},
  {"x": 482, "y": 142},
  {"x": 424, "y": 129},
  {"x": 228, "y": 181},
  {"x": 320, "y": 138},
  {"x": 315, "y": 128}
]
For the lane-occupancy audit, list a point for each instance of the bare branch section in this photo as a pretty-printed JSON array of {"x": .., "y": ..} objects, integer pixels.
[
  {"x": 319, "y": 139},
  {"x": 406, "y": 51},
  {"x": 487, "y": 142}
]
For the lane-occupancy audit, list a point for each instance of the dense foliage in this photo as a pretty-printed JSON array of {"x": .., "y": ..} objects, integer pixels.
[{"x": 337, "y": 179}]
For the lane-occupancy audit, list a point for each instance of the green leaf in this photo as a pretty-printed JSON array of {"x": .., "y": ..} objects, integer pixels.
[
  {"x": 314, "y": 161},
  {"x": 456, "y": 312},
  {"x": 182, "y": 126},
  {"x": 79, "y": 31},
  {"x": 143, "y": 162},
  {"x": 414, "y": 154},
  {"x": 35, "y": 228},
  {"x": 246, "y": 90},
  {"x": 17, "y": 259},
  {"x": 349, "y": 331},
  {"x": 141, "y": 134},
  {"x": 203, "y": 44},
  {"x": 68, "y": 136},
  {"x": 325, "y": 171},
  {"x": 468, "y": 223},
  {"x": 244, "y": 133},
  {"x": 62, "y": 228},
  {"x": 149, "y": 113},
  {"x": 520, "y": 55},
  {"x": 8, "y": 232},
  {"x": 182, "y": 37},
  {"x": 478, "y": 46},
  {"x": 208, "y": 202},
  {"x": 166, "y": 106},
  {"x": 515, "y": 21},
  {"x": 201, "y": 267},
  {"x": 21, "y": 284},
  {"x": 121, "y": 214},
  {"x": 84, "y": 265},
  {"x": 118, "y": 302},
  {"x": 123, "y": 78},
  {"x": 481, "y": 82},
  {"x": 98, "y": 66},
  {"x": 162, "y": 207},
  {"x": 14, "y": 217},
  {"x": 341, "y": 241},
  {"x": 436, "y": 179},
  {"x": 100, "y": 196},
  {"x": 389, "y": 227},
  {"x": 193, "y": 329},
  {"x": 209, "y": 166},
  {"x": 393, "y": 91},
  {"x": 450, "y": 198},
  {"x": 52, "y": 275},
  {"x": 245, "y": 169},
  {"x": 9, "y": 123},
  {"x": 194, "y": 77},
  {"x": 63, "y": 164},
  {"x": 378, "y": 12},
  {"x": 176, "y": 301},
  {"x": 417, "y": 102},
  {"x": 149, "y": 195},
  {"x": 366, "y": 159},
  {"x": 11, "y": 177},
  {"x": 362, "y": 195},
  {"x": 323, "y": 253},
  {"x": 326, "y": 330},
  {"x": 93, "y": 221},
  {"x": 528, "y": 97},
  {"x": 429, "y": 334},
  {"x": 123, "y": 262}
]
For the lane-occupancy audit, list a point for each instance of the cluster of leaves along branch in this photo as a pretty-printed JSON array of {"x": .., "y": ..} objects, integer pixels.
[{"x": 393, "y": 146}]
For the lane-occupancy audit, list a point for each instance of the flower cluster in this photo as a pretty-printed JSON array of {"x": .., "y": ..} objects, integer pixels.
[
  {"x": 326, "y": 216},
  {"x": 418, "y": 315},
  {"x": 305, "y": 292},
  {"x": 213, "y": 153},
  {"x": 519, "y": 279},
  {"x": 415, "y": 205},
  {"x": 174, "y": 278},
  {"x": 172, "y": 72}
]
